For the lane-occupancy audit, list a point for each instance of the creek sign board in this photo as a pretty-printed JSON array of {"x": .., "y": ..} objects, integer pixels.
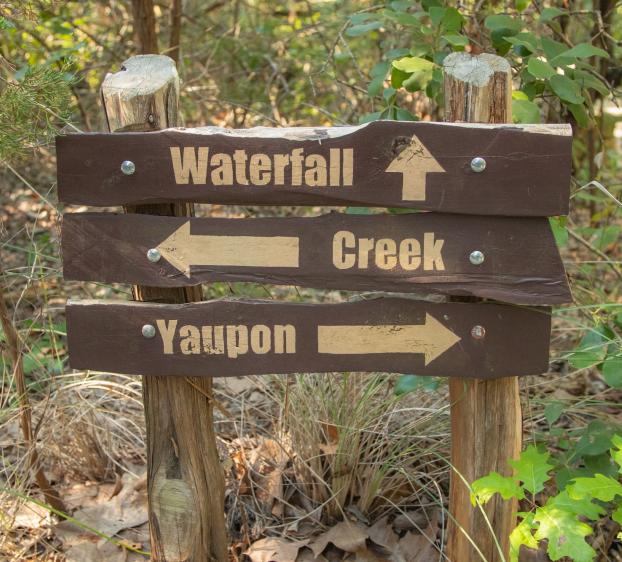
[
  {"x": 418, "y": 252},
  {"x": 490, "y": 190},
  {"x": 500, "y": 170},
  {"x": 228, "y": 338}
]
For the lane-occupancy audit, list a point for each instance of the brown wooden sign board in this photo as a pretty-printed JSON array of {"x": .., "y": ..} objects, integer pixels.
[
  {"x": 229, "y": 338},
  {"x": 382, "y": 164},
  {"x": 417, "y": 252}
]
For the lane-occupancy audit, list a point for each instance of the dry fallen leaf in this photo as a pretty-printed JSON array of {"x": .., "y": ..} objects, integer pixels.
[
  {"x": 274, "y": 549},
  {"x": 345, "y": 535},
  {"x": 382, "y": 533}
]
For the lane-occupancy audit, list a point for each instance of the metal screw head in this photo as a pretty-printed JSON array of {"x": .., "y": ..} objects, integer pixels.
[
  {"x": 128, "y": 167},
  {"x": 476, "y": 257},
  {"x": 153, "y": 255},
  {"x": 478, "y": 332},
  {"x": 148, "y": 331},
  {"x": 478, "y": 164}
]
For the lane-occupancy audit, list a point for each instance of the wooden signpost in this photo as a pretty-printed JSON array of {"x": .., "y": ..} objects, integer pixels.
[
  {"x": 419, "y": 252},
  {"x": 491, "y": 187}
]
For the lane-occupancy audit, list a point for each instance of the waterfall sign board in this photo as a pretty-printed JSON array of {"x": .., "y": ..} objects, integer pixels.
[
  {"x": 489, "y": 190},
  {"x": 229, "y": 338},
  {"x": 417, "y": 252},
  {"x": 505, "y": 170}
]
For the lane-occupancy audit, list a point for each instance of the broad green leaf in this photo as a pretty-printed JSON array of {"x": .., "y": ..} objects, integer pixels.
[
  {"x": 381, "y": 69},
  {"x": 617, "y": 515},
  {"x": 549, "y": 14},
  {"x": 452, "y": 21},
  {"x": 413, "y": 64},
  {"x": 436, "y": 14},
  {"x": 616, "y": 452},
  {"x": 362, "y": 29},
  {"x": 553, "y": 49},
  {"x": 525, "y": 111},
  {"x": 405, "y": 115},
  {"x": 553, "y": 411},
  {"x": 527, "y": 40},
  {"x": 584, "y": 507},
  {"x": 398, "y": 77},
  {"x": 375, "y": 86},
  {"x": 587, "y": 80},
  {"x": 564, "y": 533},
  {"x": 456, "y": 40},
  {"x": 579, "y": 113},
  {"x": 583, "y": 50},
  {"x": 368, "y": 117},
  {"x": 532, "y": 469},
  {"x": 521, "y": 5},
  {"x": 484, "y": 488},
  {"x": 590, "y": 351},
  {"x": 612, "y": 370},
  {"x": 567, "y": 89},
  {"x": 501, "y": 21},
  {"x": 560, "y": 232},
  {"x": 596, "y": 439},
  {"x": 522, "y": 535},
  {"x": 599, "y": 487},
  {"x": 540, "y": 69}
]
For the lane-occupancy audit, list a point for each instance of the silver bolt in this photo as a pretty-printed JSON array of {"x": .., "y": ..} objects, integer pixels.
[
  {"x": 476, "y": 257},
  {"x": 128, "y": 167},
  {"x": 148, "y": 331},
  {"x": 153, "y": 255},
  {"x": 151, "y": 118},
  {"x": 478, "y": 332},
  {"x": 478, "y": 164}
]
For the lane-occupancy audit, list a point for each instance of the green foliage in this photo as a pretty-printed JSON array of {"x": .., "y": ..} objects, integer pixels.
[
  {"x": 559, "y": 521},
  {"x": 32, "y": 109}
]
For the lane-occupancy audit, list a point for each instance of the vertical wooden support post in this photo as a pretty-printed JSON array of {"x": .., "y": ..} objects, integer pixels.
[
  {"x": 486, "y": 424},
  {"x": 185, "y": 477}
]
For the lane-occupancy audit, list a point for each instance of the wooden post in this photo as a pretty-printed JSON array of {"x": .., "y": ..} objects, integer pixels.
[
  {"x": 185, "y": 477},
  {"x": 486, "y": 425}
]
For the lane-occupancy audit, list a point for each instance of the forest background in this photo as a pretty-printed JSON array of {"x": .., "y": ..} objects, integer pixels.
[{"x": 304, "y": 453}]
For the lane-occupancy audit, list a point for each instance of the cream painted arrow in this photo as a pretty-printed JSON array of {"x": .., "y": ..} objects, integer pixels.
[
  {"x": 415, "y": 162},
  {"x": 432, "y": 339},
  {"x": 183, "y": 249}
]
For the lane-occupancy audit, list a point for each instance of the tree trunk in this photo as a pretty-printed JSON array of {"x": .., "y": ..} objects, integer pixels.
[
  {"x": 185, "y": 477},
  {"x": 486, "y": 425},
  {"x": 175, "y": 37},
  {"x": 144, "y": 26}
]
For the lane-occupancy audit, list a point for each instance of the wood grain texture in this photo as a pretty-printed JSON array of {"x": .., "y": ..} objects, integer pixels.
[
  {"x": 230, "y": 338},
  {"x": 486, "y": 424},
  {"x": 419, "y": 252},
  {"x": 384, "y": 163},
  {"x": 185, "y": 478}
]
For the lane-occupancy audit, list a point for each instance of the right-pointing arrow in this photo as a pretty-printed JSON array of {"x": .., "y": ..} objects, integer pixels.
[
  {"x": 432, "y": 339},
  {"x": 415, "y": 162},
  {"x": 183, "y": 249}
]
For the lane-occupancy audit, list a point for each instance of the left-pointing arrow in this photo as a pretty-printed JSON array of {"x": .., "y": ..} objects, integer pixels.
[
  {"x": 183, "y": 250},
  {"x": 415, "y": 162},
  {"x": 432, "y": 339}
]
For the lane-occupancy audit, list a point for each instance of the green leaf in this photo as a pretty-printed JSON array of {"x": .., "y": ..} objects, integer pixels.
[
  {"x": 359, "y": 211},
  {"x": 413, "y": 64},
  {"x": 456, "y": 40},
  {"x": 617, "y": 515},
  {"x": 436, "y": 14},
  {"x": 612, "y": 370},
  {"x": 583, "y": 50},
  {"x": 494, "y": 483},
  {"x": 368, "y": 117},
  {"x": 553, "y": 411},
  {"x": 398, "y": 77},
  {"x": 560, "y": 232},
  {"x": 362, "y": 29},
  {"x": 410, "y": 383},
  {"x": 522, "y": 535},
  {"x": 564, "y": 533},
  {"x": 402, "y": 114},
  {"x": 527, "y": 40},
  {"x": 549, "y": 14},
  {"x": 532, "y": 469},
  {"x": 596, "y": 439},
  {"x": 566, "y": 89},
  {"x": 599, "y": 487},
  {"x": 583, "y": 507},
  {"x": 553, "y": 49},
  {"x": 452, "y": 20},
  {"x": 579, "y": 113},
  {"x": 587, "y": 80},
  {"x": 525, "y": 111},
  {"x": 590, "y": 351},
  {"x": 501, "y": 21},
  {"x": 616, "y": 452},
  {"x": 375, "y": 86},
  {"x": 381, "y": 69},
  {"x": 540, "y": 69}
]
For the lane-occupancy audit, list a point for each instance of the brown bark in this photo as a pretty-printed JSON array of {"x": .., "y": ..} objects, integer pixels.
[
  {"x": 185, "y": 477},
  {"x": 486, "y": 425},
  {"x": 175, "y": 37},
  {"x": 144, "y": 26}
]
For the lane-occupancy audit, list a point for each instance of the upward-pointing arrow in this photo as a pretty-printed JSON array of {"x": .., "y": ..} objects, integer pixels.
[
  {"x": 415, "y": 162},
  {"x": 432, "y": 339},
  {"x": 183, "y": 249}
]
